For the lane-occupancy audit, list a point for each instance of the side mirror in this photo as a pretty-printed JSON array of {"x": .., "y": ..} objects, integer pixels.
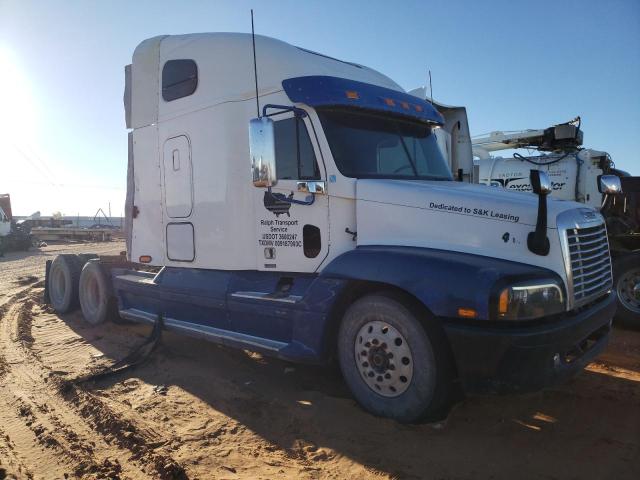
[
  {"x": 609, "y": 184},
  {"x": 540, "y": 182},
  {"x": 537, "y": 241},
  {"x": 263, "y": 152}
]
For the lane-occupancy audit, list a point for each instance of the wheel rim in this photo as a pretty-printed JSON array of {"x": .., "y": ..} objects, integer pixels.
[
  {"x": 383, "y": 358},
  {"x": 628, "y": 290},
  {"x": 58, "y": 286},
  {"x": 92, "y": 297}
]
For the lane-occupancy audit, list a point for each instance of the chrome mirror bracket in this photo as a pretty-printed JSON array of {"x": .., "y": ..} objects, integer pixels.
[{"x": 316, "y": 187}]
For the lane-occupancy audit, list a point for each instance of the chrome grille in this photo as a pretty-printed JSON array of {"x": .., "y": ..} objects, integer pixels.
[{"x": 590, "y": 262}]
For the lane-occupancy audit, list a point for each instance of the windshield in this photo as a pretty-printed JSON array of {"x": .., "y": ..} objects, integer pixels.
[{"x": 370, "y": 145}]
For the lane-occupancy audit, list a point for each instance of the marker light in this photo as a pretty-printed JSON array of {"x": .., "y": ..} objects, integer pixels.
[
  {"x": 467, "y": 312},
  {"x": 503, "y": 302},
  {"x": 418, "y": 108},
  {"x": 390, "y": 102},
  {"x": 405, "y": 105},
  {"x": 353, "y": 95},
  {"x": 145, "y": 259}
]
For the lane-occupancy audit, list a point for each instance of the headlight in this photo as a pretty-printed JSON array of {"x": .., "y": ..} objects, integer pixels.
[{"x": 528, "y": 300}]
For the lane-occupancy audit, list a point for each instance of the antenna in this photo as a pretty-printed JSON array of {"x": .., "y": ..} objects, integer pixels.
[
  {"x": 255, "y": 65},
  {"x": 430, "y": 88}
]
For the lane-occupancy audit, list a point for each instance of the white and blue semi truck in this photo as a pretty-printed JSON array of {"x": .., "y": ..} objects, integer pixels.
[{"x": 312, "y": 215}]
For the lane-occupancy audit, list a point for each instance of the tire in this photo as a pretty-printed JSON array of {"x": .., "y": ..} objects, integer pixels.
[
  {"x": 626, "y": 275},
  {"x": 96, "y": 294},
  {"x": 64, "y": 277},
  {"x": 85, "y": 257},
  {"x": 395, "y": 366}
]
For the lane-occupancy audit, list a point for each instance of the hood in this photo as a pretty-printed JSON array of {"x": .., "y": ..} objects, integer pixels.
[
  {"x": 457, "y": 216},
  {"x": 463, "y": 199}
]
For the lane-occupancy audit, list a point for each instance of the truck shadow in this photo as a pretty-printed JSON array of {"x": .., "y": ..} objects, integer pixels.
[{"x": 588, "y": 427}]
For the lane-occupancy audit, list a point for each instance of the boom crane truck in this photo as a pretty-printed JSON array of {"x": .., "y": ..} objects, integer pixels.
[
  {"x": 311, "y": 215},
  {"x": 574, "y": 173}
]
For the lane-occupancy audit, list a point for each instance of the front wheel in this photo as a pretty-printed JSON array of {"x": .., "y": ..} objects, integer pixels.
[
  {"x": 626, "y": 273},
  {"x": 393, "y": 364}
]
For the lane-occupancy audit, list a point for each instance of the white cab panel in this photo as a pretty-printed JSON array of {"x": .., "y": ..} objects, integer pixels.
[
  {"x": 178, "y": 179},
  {"x": 148, "y": 234},
  {"x": 222, "y": 214},
  {"x": 180, "y": 242}
]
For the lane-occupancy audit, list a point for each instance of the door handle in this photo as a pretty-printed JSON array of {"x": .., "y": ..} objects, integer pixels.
[{"x": 314, "y": 186}]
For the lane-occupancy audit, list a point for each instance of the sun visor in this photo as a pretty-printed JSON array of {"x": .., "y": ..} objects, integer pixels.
[{"x": 324, "y": 91}]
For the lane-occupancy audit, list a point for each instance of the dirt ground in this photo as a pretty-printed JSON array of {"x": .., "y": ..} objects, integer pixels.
[{"x": 196, "y": 410}]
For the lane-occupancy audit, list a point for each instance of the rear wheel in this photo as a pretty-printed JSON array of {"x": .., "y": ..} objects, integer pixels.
[
  {"x": 64, "y": 277},
  {"x": 393, "y": 364},
  {"x": 96, "y": 294},
  {"x": 626, "y": 272}
]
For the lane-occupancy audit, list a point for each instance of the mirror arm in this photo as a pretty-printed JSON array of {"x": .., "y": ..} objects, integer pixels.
[
  {"x": 282, "y": 109},
  {"x": 290, "y": 198}
]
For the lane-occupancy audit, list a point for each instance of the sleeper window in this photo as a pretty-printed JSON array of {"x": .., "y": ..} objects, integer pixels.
[
  {"x": 179, "y": 79},
  {"x": 295, "y": 160}
]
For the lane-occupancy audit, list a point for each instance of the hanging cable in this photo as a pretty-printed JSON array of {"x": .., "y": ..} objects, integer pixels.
[{"x": 540, "y": 164}]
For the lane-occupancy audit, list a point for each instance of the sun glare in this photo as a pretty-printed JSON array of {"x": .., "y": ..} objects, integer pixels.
[{"x": 18, "y": 109}]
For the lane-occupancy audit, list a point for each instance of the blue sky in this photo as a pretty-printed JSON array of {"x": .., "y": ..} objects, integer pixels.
[{"x": 513, "y": 64}]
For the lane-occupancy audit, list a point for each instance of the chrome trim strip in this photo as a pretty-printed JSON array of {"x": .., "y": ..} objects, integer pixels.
[
  {"x": 602, "y": 275},
  {"x": 584, "y": 260},
  {"x": 267, "y": 297},
  {"x": 136, "y": 315},
  {"x": 600, "y": 270},
  {"x": 597, "y": 241},
  {"x": 590, "y": 234},
  {"x": 217, "y": 335}
]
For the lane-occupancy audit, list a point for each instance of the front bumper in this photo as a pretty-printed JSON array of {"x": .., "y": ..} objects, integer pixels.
[{"x": 528, "y": 358}]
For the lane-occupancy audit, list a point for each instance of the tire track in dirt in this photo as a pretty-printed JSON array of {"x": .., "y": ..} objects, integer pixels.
[
  {"x": 10, "y": 464},
  {"x": 67, "y": 429}
]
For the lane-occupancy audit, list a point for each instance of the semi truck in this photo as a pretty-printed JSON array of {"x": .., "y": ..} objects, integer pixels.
[
  {"x": 290, "y": 203},
  {"x": 574, "y": 172}
]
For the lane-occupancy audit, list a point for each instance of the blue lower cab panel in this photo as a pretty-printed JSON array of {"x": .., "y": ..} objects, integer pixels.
[
  {"x": 287, "y": 314},
  {"x": 196, "y": 296},
  {"x": 273, "y": 312}
]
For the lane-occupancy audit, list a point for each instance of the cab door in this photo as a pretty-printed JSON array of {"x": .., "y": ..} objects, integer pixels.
[
  {"x": 178, "y": 199},
  {"x": 292, "y": 237}
]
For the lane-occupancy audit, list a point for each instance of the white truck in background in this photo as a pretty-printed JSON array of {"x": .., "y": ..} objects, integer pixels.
[
  {"x": 12, "y": 235},
  {"x": 5, "y": 224},
  {"x": 574, "y": 173},
  {"x": 5, "y": 216},
  {"x": 5, "y": 229},
  {"x": 311, "y": 215}
]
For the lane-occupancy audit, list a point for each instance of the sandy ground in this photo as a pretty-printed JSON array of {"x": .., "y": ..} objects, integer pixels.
[{"x": 196, "y": 410}]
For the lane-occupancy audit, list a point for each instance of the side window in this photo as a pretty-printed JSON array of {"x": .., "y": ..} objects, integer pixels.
[
  {"x": 295, "y": 159},
  {"x": 179, "y": 79}
]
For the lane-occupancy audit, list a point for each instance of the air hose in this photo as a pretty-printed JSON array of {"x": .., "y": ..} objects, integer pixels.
[{"x": 136, "y": 357}]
